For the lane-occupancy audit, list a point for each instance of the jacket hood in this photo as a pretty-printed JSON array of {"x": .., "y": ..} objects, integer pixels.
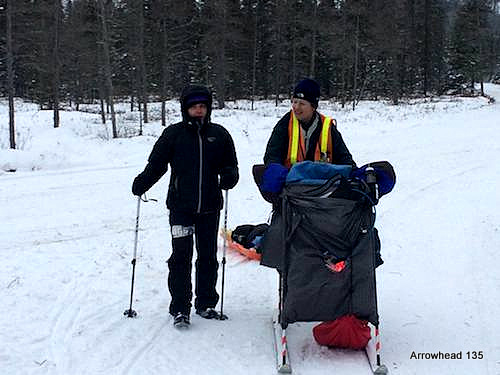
[{"x": 195, "y": 94}]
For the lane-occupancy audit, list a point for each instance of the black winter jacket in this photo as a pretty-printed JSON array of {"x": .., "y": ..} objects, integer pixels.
[
  {"x": 198, "y": 156},
  {"x": 277, "y": 146}
]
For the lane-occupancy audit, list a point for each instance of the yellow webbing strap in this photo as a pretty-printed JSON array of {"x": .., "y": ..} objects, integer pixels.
[
  {"x": 324, "y": 134},
  {"x": 295, "y": 140}
]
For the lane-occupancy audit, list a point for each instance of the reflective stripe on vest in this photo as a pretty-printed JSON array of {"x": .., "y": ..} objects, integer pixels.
[
  {"x": 325, "y": 132},
  {"x": 323, "y": 153}
]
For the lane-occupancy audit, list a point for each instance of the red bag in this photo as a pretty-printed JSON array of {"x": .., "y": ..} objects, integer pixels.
[{"x": 344, "y": 332}]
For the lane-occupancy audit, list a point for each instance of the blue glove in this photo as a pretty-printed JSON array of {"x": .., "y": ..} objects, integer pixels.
[{"x": 274, "y": 178}]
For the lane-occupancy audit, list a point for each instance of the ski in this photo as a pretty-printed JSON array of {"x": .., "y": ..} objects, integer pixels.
[
  {"x": 281, "y": 347},
  {"x": 372, "y": 351}
]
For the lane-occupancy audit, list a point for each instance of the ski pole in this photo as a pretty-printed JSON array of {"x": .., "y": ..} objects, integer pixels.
[
  {"x": 132, "y": 313},
  {"x": 222, "y": 316}
]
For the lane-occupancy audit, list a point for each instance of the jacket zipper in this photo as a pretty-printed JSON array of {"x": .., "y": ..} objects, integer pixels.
[{"x": 201, "y": 171}]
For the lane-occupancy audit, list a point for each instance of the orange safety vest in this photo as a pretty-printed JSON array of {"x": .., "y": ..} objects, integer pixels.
[{"x": 296, "y": 144}]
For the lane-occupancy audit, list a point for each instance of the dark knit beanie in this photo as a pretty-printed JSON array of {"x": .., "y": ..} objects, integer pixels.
[
  {"x": 307, "y": 89},
  {"x": 192, "y": 95},
  {"x": 197, "y": 98}
]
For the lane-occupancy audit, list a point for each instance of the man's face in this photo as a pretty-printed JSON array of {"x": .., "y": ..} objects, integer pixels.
[
  {"x": 302, "y": 109},
  {"x": 198, "y": 111}
]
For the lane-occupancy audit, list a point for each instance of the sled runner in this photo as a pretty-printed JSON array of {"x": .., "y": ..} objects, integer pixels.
[{"x": 323, "y": 243}]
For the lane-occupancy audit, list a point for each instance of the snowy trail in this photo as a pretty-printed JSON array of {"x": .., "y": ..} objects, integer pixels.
[
  {"x": 440, "y": 229},
  {"x": 66, "y": 242}
]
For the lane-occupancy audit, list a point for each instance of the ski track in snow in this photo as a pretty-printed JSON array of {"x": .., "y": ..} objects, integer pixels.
[
  {"x": 67, "y": 266},
  {"x": 66, "y": 316},
  {"x": 139, "y": 351}
]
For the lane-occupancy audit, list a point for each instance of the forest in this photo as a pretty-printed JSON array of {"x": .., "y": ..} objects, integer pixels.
[{"x": 63, "y": 53}]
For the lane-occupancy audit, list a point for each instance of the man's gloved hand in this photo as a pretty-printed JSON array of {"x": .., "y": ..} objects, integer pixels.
[
  {"x": 228, "y": 178},
  {"x": 139, "y": 187},
  {"x": 274, "y": 178}
]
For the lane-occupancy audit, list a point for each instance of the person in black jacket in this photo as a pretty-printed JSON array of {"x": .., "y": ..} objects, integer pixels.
[
  {"x": 203, "y": 162},
  {"x": 310, "y": 144}
]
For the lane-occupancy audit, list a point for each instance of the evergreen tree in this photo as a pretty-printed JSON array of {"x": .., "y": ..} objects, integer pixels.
[
  {"x": 246, "y": 48},
  {"x": 470, "y": 40},
  {"x": 80, "y": 62}
]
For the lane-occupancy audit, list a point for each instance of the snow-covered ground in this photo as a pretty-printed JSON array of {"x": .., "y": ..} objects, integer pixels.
[{"x": 67, "y": 233}]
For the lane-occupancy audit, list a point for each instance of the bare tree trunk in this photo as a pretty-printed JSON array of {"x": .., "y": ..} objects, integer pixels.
[
  {"x": 254, "y": 62},
  {"x": 107, "y": 66},
  {"x": 277, "y": 65},
  {"x": 220, "y": 54},
  {"x": 355, "y": 74},
  {"x": 395, "y": 78},
  {"x": 140, "y": 121},
  {"x": 294, "y": 46},
  {"x": 312, "y": 67},
  {"x": 102, "y": 95},
  {"x": 10, "y": 75},
  {"x": 103, "y": 110},
  {"x": 142, "y": 63},
  {"x": 164, "y": 72},
  {"x": 427, "y": 58},
  {"x": 56, "y": 67},
  {"x": 78, "y": 97},
  {"x": 343, "y": 86}
]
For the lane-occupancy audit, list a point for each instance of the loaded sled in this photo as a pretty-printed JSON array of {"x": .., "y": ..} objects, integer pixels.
[{"x": 325, "y": 247}]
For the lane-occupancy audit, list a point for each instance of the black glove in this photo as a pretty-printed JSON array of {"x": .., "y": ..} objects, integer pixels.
[
  {"x": 228, "y": 178},
  {"x": 139, "y": 187}
]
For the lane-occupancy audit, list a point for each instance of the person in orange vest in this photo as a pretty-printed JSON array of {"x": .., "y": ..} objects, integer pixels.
[{"x": 305, "y": 134}]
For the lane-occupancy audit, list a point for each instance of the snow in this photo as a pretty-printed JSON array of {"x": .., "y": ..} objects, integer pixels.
[{"x": 67, "y": 236}]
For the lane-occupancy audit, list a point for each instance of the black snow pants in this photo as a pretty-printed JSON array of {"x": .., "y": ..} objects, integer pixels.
[{"x": 205, "y": 228}]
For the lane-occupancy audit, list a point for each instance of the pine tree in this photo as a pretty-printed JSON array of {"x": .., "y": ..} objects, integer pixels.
[
  {"x": 8, "y": 7},
  {"x": 469, "y": 42},
  {"x": 80, "y": 43}
]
